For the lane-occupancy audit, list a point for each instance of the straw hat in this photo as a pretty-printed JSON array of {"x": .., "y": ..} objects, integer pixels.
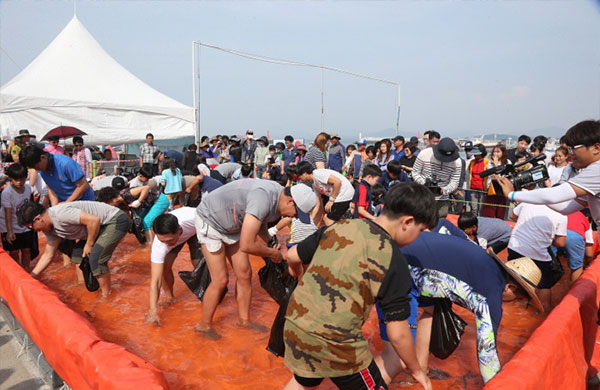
[{"x": 525, "y": 272}]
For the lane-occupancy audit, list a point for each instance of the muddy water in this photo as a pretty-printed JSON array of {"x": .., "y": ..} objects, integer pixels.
[{"x": 239, "y": 360}]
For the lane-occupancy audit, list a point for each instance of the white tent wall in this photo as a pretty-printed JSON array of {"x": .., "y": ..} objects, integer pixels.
[{"x": 74, "y": 82}]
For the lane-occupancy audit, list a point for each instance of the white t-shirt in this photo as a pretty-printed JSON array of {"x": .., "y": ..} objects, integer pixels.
[
  {"x": 554, "y": 173},
  {"x": 204, "y": 169},
  {"x": 320, "y": 185},
  {"x": 186, "y": 217},
  {"x": 13, "y": 200},
  {"x": 589, "y": 180},
  {"x": 535, "y": 230}
]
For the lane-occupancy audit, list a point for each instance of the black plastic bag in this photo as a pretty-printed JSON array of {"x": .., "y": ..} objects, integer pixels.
[
  {"x": 199, "y": 279},
  {"x": 557, "y": 268},
  {"x": 276, "y": 344},
  {"x": 137, "y": 226},
  {"x": 446, "y": 329},
  {"x": 91, "y": 283},
  {"x": 275, "y": 278}
]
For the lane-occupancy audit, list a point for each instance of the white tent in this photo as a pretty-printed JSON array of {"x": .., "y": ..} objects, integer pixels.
[{"x": 74, "y": 82}]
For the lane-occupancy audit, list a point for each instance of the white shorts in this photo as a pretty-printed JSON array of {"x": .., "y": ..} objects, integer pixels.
[{"x": 212, "y": 238}]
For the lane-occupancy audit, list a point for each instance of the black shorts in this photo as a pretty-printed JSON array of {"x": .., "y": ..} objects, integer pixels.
[
  {"x": 338, "y": 210},
  {"x": 544, "y": 266},
  {"x": 23, "y": 240},
  {"x": 367, "y": 379}
]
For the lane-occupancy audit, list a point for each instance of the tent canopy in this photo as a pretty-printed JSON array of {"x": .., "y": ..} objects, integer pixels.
[{"x": 74, "y": 82}]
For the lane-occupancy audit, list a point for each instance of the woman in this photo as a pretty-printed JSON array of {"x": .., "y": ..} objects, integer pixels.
[
  {"x": 408, "y": 160},
  {"x": 495, "y": 203},
  {"x": 558, "y": 164},
  {"x": 316, "y": 155},
  {"x": 300, "y": 153},
  {"x": 384, "y": 154}
]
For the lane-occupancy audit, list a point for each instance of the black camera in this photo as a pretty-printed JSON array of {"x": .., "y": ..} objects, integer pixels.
[
  {"x": 520, "y": 179},
  {"x": 432, "y": 184}
]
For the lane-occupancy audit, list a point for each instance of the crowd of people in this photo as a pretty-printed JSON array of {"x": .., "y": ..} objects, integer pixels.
[{"x": 367, "y": 226}]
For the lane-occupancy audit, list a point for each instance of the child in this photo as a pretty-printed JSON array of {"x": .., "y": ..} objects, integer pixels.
[
  {"x": 17, "y": 239},
  {"x": 171, "y": 180},
  {"x": 377, "y": 195},
  {"x": 363, "y": 207}
]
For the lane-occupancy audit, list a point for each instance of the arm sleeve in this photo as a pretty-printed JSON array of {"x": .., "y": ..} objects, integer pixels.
[
  {"x": 561, "y": 193},
  {"x": 417, "y": 172},
  {"x": 307, "y": 247},
  {"x": 393, "y": 293},
  {"x": 589, "y": 236}
]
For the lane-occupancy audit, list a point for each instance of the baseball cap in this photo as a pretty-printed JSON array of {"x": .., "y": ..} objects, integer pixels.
[
  {"x": 305, "y": 200},
  {"x": 362, "y": 141},
  {"x": 468, "y": 146},
  {"x": 414, "y": 140},
  {"x": 118, "y": 183}
]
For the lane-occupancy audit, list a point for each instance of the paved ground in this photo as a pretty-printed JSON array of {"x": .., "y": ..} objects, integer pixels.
[{"x": 17, "y": 373}]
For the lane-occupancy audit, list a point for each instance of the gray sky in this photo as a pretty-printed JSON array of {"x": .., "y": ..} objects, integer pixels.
[{"x": 465, "y": 67}]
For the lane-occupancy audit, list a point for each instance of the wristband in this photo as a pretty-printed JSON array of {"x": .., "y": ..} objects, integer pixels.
[
  {"x": 332, "y": 199},
  {"x": 512, "y": 196}
]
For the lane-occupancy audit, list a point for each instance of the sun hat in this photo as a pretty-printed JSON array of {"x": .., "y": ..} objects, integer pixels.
[
  {"x": 263, "y": 139},
  {"x": 335, "y": 135},
  {"x": 305, "y": 200},
  {"x": 301, "y": 147},
  {"x": 25, "y": 133},
  {"x": 235, "y": 139},
  {"x": 525, "y": 272},
  {"x": 446, "y": 150}
]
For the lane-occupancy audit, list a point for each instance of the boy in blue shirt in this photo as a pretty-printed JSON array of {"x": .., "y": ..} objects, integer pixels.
[
  {"x": 362, "y": 201},
  {"x": 394, "y": 174}
]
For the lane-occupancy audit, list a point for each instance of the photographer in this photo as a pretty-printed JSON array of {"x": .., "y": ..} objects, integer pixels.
[
  {"x": 583, "y": 141},
  {"x": 439, "y": 168}
]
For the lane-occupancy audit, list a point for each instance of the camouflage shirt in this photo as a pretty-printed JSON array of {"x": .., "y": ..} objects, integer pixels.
[{"x": 352, "y": 264}]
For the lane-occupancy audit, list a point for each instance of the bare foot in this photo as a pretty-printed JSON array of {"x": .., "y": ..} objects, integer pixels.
[
  {"x": 252, "y": 326},
  {"x": 207, "y": 332},
  {"x": 168, "y": 302}
]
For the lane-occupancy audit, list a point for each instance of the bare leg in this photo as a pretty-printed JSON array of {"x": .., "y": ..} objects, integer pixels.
[
  {"x": 575, "y": 274},
  {"x": 25, "y": 258},
  {"x": 243, "y": 274},
  {"x": 66, "y": 260},
  {"x": 424, "y": 336},
  {"x": 15, "y": 256},
  {"x": 104, "y": 281},
  {"x": 389, "y": 362},
  {"x": 79, "y": 275},
  {"x": 219, "y": 274},
  {"x": 149, "y": 236},
  {"x": 168, "y": 279},
  {"x": 545, "y": 295}
]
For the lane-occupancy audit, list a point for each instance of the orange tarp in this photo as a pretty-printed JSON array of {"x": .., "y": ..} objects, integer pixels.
[
  {"x": 558, "y": 353},
  {"x": 69, "y": 342}
]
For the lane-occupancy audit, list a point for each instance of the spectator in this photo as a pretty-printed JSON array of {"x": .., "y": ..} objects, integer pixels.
[
  {"x": 431, "y": 138},
  {"x": 336, "y": 154},
  {"x": 440, "y": 168},
  {"x": 273, "y": 164},
  {"x": 333, "y": 185},
  {"x": 558, "y": 164},
  {"x": 109, "y": 166},
  {"x": 495, "y": 202},
  {"x": 20, "y": 142},
  {"x": 370, "y": 160},
  {"x": 98, "y": 227},
  {"x": 260, "y": 156},
  {"x": 316, "y": 153},
  {"x": 300, "y": 153},
  {"x": 171, "y": 231},
  {"x": 340, "y": 284},
  {"x": 82, "y": 156},
  {"x": 289, "y": 153},
  {"x": 408, "y": 159},
  {"x": 477, "y": 183},
  {"x": 53, "y": 146},
  {"x": 149, "y": 154},
  {"x": 17, "y": 240},
  {"x": 362, "y": 200},
  {"x": 248, "y": 148},
  {"x": 203, "y": 147},
  {"x": 214, "y": 147},
  {"x": 399, "y": 147},
  {"x": 384, "y": 154},
  {"x": 190, "y": 158},
  {"x": 522, "y": 145},
  {"x": 235, "y": 150}
]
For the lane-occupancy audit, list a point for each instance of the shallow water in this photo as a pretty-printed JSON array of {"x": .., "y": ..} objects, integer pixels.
[{"x": 239, "y": 359}]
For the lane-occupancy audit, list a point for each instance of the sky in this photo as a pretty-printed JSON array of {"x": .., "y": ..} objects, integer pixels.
[{"x": 464, "y": 67}]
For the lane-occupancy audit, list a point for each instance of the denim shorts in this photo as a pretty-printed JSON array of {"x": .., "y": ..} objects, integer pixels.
[
  {"x": 575, "y": 249},
  {"x": 412, "y": 319}
]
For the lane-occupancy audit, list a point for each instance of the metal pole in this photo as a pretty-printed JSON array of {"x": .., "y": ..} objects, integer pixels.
[
  {"x": 194, "y": 92},
  {"x": 322, "y": 100},
  {"x": 398, "y": 110}
]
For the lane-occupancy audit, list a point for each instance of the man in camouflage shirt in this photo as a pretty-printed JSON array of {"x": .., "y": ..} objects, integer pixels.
[{"x": 350, "y": 266}]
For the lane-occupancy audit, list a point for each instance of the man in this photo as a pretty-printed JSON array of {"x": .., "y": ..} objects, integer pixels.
[
  {"x": 439, "y": 168},
  {"x": 248, "y": 147},
  {"x": 443, "y": 266},
  {"x": 228, "y": 222},
  {"x": 63, "y": 176},
  {"x": 348, "y": 267},
  {"x": 393, "y": 175},
  {"x": 190, "y": 158},
  {"x": 175, "y": 156},
  {"x": 289, "y": 153},
  {"x": 171, "y": 232},
  {"x": 149, "y": 154},
  {"x": 336, "y": 154},
  {"x": 359, "y": 157},
  {"x": 97, "y": 227},
  {"x": 581, "y": 190},
  {"x": 493, "y": 231},
  {"x": 21, "y": 141},
  {"x": 522, "y": 146},
  {"x": 201, "y": 185},
  {"x": 434, "y": 138},
  {"x": 398, "y": 151},
  {"x": 228, "y": 169}
]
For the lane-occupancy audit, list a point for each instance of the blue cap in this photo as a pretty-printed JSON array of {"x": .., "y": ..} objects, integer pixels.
[{"x": 362, "y": 141}]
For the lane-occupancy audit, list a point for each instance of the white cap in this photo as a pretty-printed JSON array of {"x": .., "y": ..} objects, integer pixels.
[{"x": 305, "y": 200}]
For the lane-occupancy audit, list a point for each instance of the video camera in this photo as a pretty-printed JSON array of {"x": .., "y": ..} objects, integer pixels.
[
  {"x": 433, "y": 186},
  {"x": 520, "y": 179}
]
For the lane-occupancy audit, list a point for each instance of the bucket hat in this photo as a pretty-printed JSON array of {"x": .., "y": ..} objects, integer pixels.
[{"x": 446, "y": 150}]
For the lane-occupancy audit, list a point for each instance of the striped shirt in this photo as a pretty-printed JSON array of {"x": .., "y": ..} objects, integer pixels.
[{"x": 447, "y": 175}]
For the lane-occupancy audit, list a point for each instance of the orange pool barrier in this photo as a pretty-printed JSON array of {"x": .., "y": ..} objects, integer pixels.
[
  {"x": 558, "y": 355},
  {"x": 69, "y": 342}
]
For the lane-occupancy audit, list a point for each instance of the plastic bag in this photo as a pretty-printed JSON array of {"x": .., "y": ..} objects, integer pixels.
[
  {"x": 199, "y": 279},
  {"x": 275, "y": 278},
  {"x": 137, "y": 226},
  {"x": 446, "y": 329},
  {"x": 91, "y": 283},
  {"x": 276, "y": 344},
  {"x": 557, "y": 268}
]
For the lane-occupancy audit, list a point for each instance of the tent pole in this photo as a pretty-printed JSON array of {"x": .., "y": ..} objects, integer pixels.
[
  {"x": 195, "y": 97},
  {"x": 322, "y": 100},
  {"x": 397, "y": 109}
]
